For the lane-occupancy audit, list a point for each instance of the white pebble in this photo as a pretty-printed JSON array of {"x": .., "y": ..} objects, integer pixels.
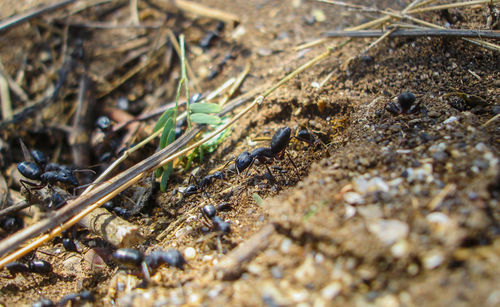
[
  {"x": 353, "y": 198},
  {"x": 388, "y": 231},
  {"x": 331, "y": 290},
  {"x": 400, "y": 249},
  {"x": 450, "y": 120},
  {"x": 190, "y": 253},
  {"x": 350, "y": 211},
  {"x": 433, "y": 260},
  {"x": 286, "y": 244}
]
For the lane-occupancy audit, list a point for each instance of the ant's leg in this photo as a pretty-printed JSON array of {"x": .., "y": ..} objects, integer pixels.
[
  {"x": 33, "y": 186},
  {"x": 293, "y": 163},
  {"x": 270, "y": 173},
  {"x": 194, "y": 179},
  {"x": 145, "y": 271}
]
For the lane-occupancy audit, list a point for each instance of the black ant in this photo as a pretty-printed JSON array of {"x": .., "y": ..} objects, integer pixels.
[
  {"x": 403, "y": 103},
  {"x": 133, "y": 259},
  {"x": 266, "y": 155},
  {"x": 209, "y": 212},
  {"x": 84, "y": 296},
  {"x": 203, "y": 184},
  {"x": 305, "y": 136},
  {"x": 37, "y": 266},
  {"x": 42, "y": 171},
  {"x": 43, "y": 302},
  {"x": 11, "y": 223}
]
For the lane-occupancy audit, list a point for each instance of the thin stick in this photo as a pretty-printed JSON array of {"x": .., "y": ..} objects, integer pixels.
[
  {"x": 5, "y": 97},
  {"x": 491, "y": 120},
  {"x": 418, "y": 32},
  {"x": 199, "y": 9},
  {"x": 235, "y": 86},
  {"x": 30, "y": 14},
  {"x": 134, "y": 13},
  {"x": 14, "y": 208},
  {"x": 450, "y": 6},
  {"x": 16, "y": 88}
]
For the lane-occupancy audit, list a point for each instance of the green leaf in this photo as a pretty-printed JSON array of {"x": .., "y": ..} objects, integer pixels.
[
  {"x": 163, "y": 119},
  {"x": 258, "y": 200},
  {"x": 201, "y": 118},
  {"x": 205, "y": 107},
  {"x": 158, "y": 172},
  {"x": 164, "y": 178},
  {"x": 165, "y": 135}
]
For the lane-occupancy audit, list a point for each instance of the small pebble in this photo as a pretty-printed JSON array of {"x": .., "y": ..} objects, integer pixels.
[
  {"x": 189, "y": 253},
  {"x": 353, "y": 198},
  {"x": 331, "y": 290},
  {"x": 400, "y": 249},
  {"x": 276, "y": 272},
  {"x": 388, "y": 231},
  {"x": 450, "y": 120},
  {"x": 285, "y": 246},
  {"x": 432, "y": 260}
]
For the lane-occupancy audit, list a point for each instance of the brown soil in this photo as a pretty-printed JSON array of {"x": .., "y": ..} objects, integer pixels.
[{"x": 363, "y": 220}]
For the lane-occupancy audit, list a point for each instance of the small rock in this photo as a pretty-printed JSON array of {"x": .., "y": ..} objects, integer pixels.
[
  {"x": 331, "y": 290},
  {"x": 420, "y": 174},
  {"x": 350, "y": 211},
  {"x": 375, "y": 184},
  {"x": 370, "y": 212},
  {"x": 450, "y": 120},
  {"x": 432, "y": 260},
  {"x": 264, "y": 51},
  {"x": 353, "y": 198},
  {"x": 388, "y": 231},
  {"x": 400, "y": 249},
  {"x": 285, "y": 246},
  {"x": 276, "y": 272},
  {"x": 306, "y": 271},
  {"x": 189, "y": 253},
  {"x": 388, "y": 300}
]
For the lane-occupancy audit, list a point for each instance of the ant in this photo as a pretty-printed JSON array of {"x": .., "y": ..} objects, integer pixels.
[
  {"x": 266, "y": 155},
  {"x": 403, "y": 103},
  {"x": 133, "y": 259},
  {"x": 209, "y": 212},
  {"x": 40, "y": 170},
  {"x": 37, "y": 266},
  {"x": 203, "y": 184},
  {"x": 84, "y": 296},
  {"x": 11, "y": 223}
]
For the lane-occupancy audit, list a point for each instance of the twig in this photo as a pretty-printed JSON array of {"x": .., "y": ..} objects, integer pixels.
[
  {"x": 491, "y": 120},
  {"x": 30, "y": 14},
  {"x": 134, "y": 13},
  {"x": 15, "y": 207},
  {"x": 113, "y": 229},
  {"x": 198, "y": 9},
  {"x": 236, "y": 85},
  {"x": 450, "y": 6},
  {"x": 419, "y": 32},
  {"x": 438, "y": 199},
  {"x": 231, "y": 266},
  {"x": 13, "y": 85},
  {"x": 5, "y": 97},
  {"x": 112, "y": 26},
  {"x": 79, "y": 138}
]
